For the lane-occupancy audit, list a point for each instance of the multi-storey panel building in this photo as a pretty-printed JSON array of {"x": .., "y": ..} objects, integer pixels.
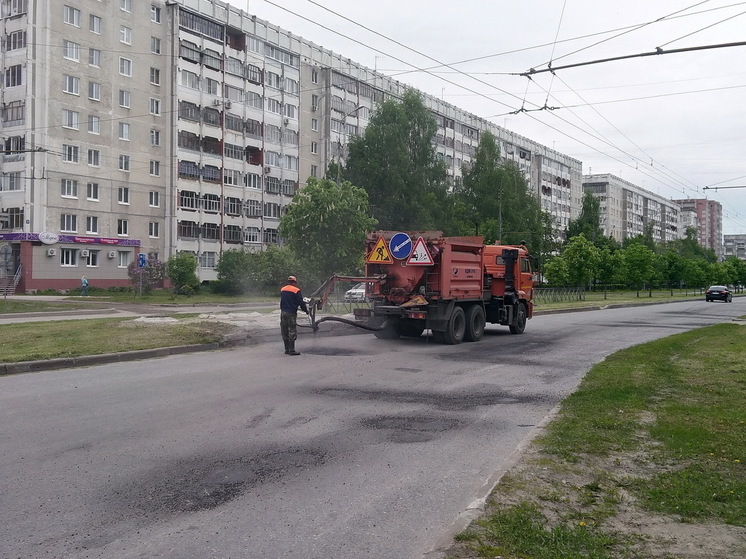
[
  {"x": 156, "y": 127},
  {"x": 735, "y": 245},
  {"x": 627, "y": 210},
  {"x": 709, "y": 222}
]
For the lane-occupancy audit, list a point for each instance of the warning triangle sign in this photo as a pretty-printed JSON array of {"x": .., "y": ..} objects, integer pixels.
[
  {"x": 380, "y": 254},
  {"x": 420, "y": 255}
]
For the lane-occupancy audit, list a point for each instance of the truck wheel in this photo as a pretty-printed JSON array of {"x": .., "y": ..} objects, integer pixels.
[
  {"x": 412, "y": 329},
  {"x": 475, "y": 322},
  {"x": 456, "y": 327},
  {"x": 519, "y": 325},
  {"x": 391, "y": 330}
]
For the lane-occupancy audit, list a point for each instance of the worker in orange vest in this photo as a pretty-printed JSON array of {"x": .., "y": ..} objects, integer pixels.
[{"x": 290, "y": 300}]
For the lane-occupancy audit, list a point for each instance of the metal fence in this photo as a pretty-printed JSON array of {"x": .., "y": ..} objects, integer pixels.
[{"x": 558, "y": 294}]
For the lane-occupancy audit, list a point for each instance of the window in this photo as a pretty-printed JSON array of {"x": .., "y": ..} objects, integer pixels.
[
  {"x": 207, "y": 259},
  {"x": 274, "y": 106},
  {"x": 155, "y": 14},
  {"x": 94, "y": 24},
  {"x": 14, "y": 75},
  {"x": 123, "y": 196},
  {"x": 253, "y": 99},
  {"x": 69, "y": 257},
  {"x": 189, "y": 79},
  {"x": 94, "y": 157},
  {"x": 124, "y": 131},
  {"x": 92, "y": 258},
  {"x": 123, "y": 227},
  {"x": 91, "y": 191},
  {"x": 155, "y": 106},
  {"x": 94, "y": 57},
  {"x": 314, "y": 102},
  {"x": 69, "y": 223},
  {"x": 71, "y": 85},
  {"x": 231, "y": 177},
  {"x": 125, "y": 35},
  {"x": 94, "y": 124},
  {"x": 252, "y": 180},
  {"x": 125, "y": 66},
  {"x": 314, "y": 147},
  {"x": 91, "y": 225},
  {"x": 155, "y": 45},
  {"x": 124, "y": 162},
  {"x": 154, "y": 199},
  {"x": 153, "y": 229},
  {"x": 70, "y": 119},
  {"x": 315, "y": 124},
  {"x": 155, "y": 168},
  {"x": 314, "y": 171},
  {"x": 69, "y": 188},
  {"x": 70, "y": 154},
  {"x": 72, "y": 16},
  {"x": 155, "y": 137},
  {"x": 94, "y": 91},
  {"x": 314, "y": 76},
  {"x": 211, "y": 86},
  {"x": 71, "y": 51},
  {"x": 155, "y": 76},
  {"x": 11, "y": 181},
  {"x": 125, "y": 98},
  {"x": 16, "y": 40},
  {"x": 125, "y": 5},
  {"x": 124, "y": 257}
]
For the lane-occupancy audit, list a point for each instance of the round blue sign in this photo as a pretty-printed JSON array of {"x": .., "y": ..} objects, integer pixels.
[{"x": 400, "y": 246}]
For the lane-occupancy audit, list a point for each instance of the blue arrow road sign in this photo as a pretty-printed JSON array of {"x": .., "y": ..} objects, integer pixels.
[
  {"x": 400, "y": 246},
  {"x": 142, "y": 260}
]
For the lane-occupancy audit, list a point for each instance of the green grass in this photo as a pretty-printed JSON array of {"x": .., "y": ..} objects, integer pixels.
[
  {"x": 73, "y": 338},
  {"x": 660, "y": 425}
]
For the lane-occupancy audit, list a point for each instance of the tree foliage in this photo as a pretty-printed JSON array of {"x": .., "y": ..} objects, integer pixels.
[
  {"x": 181, "y": 269},
  {"x": 395, "y": 162},
  {"x": 326, "y": 224},
  {"x": 637, "y": 266},
  {"x": 144, "y": 280},
  {"x": 495, "y": 202},
  {"x": 588, "y": 222},
  {"x": 582, "y": 261}
]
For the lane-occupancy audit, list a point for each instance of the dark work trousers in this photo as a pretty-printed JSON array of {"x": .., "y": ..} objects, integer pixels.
[{"x": 288, "y": 326}]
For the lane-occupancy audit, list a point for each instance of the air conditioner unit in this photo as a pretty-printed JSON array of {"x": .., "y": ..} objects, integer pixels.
[
  {"x": 84, "y": 253},
  {"x": 227, "y": 104},
  {"x": 112, "y": 253},
  {"x": 51, "y": 252},
  {"x": 287, "y": 121},
  {"x": 216, "y": 102},
  {"x": 267, "y": 169}
]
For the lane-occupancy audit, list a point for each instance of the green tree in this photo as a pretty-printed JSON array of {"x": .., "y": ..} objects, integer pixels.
[
  {"x": 395, "y": 162},
  {"x": 582, "y": 260},
  {"x": 609, "y": 264},
  {"x": 495, "y": 202},
  {"x": 233, "y": 272},
  {"x": 181, "y": 269},
  {"x": 556, "y": 272},
  {"x": 269, "y": 269},
  {"x": 670, "y": 265},
  {"x": 326, "y": 223},
  {"x": 637, "y": 268},
  {"x": 589, "y": 220},
  {"x": 694, "y": 273}
]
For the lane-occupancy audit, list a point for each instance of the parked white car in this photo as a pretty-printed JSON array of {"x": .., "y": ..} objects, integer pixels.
[{"x": 356, "y": 294}]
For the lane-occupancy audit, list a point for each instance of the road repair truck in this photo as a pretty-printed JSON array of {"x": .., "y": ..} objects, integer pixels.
[{"x": 452, "y": 286}]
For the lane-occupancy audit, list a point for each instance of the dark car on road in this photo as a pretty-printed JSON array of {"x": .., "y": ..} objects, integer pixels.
[{"x": 718, "y": 293}]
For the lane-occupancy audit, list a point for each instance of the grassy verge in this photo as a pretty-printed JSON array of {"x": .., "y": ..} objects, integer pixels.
[
  {"x": 73, "y": 338},
  {"x": 646, "y": 459}
]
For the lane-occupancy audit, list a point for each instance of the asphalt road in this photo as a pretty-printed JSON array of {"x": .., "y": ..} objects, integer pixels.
[{"x": 358, "y": 448}]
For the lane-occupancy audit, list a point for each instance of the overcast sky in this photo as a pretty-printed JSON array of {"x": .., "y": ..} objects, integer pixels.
[{"x": 670, "y": 123}]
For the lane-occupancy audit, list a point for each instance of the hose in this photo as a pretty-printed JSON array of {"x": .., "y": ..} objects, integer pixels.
[{"x": 315, "y": 325}]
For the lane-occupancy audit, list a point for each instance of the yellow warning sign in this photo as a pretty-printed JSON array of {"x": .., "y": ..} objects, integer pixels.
[{"x": 380, "y": 254}]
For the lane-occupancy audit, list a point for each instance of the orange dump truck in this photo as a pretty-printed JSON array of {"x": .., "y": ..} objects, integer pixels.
[{"x": 452, "y": 286}]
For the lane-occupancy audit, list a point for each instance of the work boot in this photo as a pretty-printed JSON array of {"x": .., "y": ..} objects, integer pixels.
[
  {"x": 287, "y": 345},
  {"x": 291, "y": 348}
]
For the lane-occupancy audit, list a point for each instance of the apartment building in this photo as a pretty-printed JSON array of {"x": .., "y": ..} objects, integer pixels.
[
  {"x": 627, "y": 210},
  {"x": 709, "y": 222},
  {"x": 734, "y": 245},
  {"x": 154, "y": 127}
]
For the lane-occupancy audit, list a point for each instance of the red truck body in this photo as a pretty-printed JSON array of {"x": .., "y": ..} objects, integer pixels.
[{"x": 452, "y": 286}]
